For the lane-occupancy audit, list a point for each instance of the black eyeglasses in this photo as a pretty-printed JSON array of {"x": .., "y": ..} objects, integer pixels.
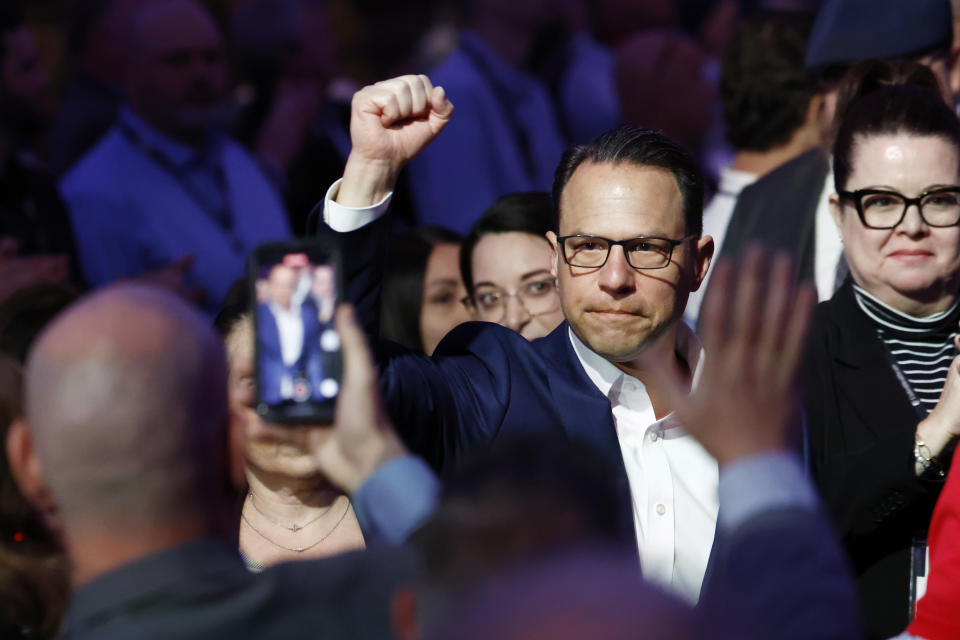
[
  {"x": 591, "y": 252},
  {"x": 882, "y": 209}
]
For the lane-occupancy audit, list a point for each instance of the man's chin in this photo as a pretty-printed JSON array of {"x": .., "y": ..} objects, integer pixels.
[
  {"x": 617, "y": 348},
  {"x": 620, "y": 343}
]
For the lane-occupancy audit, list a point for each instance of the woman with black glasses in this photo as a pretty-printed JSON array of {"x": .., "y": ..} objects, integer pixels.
[{"x": 883, "y": 385}]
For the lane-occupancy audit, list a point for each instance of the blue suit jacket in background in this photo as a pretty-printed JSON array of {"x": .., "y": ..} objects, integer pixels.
[{"x": 271, "y": 365}]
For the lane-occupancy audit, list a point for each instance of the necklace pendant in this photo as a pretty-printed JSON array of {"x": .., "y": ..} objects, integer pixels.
[
  {"x": 299, "y": 549},
  {"x": 295, "y": 528}
]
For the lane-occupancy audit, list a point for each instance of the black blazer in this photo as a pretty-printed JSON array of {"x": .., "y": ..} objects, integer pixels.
[
  {"x": 779, "y": 211},
  {"x": 861, "y": 429}
]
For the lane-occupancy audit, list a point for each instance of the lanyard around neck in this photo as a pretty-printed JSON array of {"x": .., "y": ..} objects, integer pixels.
[{"x": 222, "y": 216}]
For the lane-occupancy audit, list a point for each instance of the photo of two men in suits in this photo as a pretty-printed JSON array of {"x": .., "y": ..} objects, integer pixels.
[{"x": 295, "y": 332}]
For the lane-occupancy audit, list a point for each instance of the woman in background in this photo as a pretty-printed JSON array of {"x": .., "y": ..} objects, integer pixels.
[
  {"x": 883, "y": 385},
  {"x": 506, "y": 265},
  {"x": 291, "y": 511},
  {"x": 422, "y": 288}
]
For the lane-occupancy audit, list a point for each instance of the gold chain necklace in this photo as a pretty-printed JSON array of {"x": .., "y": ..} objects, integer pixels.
[
  {"x": 297, "y": 549},
  {"x": 292, "y": 527}
]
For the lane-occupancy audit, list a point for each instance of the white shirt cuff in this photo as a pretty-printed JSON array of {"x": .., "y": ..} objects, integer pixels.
[
  {"x": 762, "y": 483},
  {"x": 343, "y": 219}
]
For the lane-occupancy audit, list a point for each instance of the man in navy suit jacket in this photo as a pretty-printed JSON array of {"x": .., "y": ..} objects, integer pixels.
[
  {"x": 599, "y": 379},
  {"x": 288, "y": 336},
  {"x": 777, "y": 572}
]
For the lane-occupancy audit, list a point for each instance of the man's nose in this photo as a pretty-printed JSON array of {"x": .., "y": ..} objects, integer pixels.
[{"x": 616, "y": 275}]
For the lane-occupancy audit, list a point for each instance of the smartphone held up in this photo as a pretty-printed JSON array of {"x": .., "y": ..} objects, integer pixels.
[{"x": 294, "y": 290}]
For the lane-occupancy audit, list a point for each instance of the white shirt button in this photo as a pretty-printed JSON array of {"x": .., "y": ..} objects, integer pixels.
[
  {"x": 653, "y": 435},
  {"x": 661, "y": 509},
  {"x": 630, "y": 386}
]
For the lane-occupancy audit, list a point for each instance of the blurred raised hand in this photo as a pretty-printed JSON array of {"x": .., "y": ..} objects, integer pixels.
[{"x": 755, "y": 323}]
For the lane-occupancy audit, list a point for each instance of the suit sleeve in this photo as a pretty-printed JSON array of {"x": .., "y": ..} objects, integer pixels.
[
  {"x": 439, "y": 405},
  {"x": 777, "y": 570},
  {"x": 782, "y": 574}
]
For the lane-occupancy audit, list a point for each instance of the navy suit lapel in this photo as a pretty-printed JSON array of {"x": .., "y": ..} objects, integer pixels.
[
  {"x": 584, "y": 411},
  {"x": 585, "y": 415}
]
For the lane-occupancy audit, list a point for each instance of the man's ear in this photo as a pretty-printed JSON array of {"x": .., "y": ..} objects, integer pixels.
[
  {"x": 26, "y": 468},
  {"x": 554, "y": 253},
  {"x": 403, "y": 613},
  {"x": 704, "y": 256},
  {"x": 237, "y": 448}
]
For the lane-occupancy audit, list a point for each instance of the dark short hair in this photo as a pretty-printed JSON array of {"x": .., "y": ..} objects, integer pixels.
[
  {"x": 641, "y": 147},
  {"x": 402, "y": 297},
  {"x": 883, "y": 98},
  {"x": 764, "y": 86},
  {"x": 530, "y": 212}
]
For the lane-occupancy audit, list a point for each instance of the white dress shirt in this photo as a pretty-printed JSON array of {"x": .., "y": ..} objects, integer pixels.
[
  {"x": 673, "y": 480},
  {"x": 828, "y": 247},
  {"x": 290, "y": 328}
]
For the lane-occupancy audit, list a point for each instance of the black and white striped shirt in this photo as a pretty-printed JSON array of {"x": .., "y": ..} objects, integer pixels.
[{"x": 921, "y": 348}]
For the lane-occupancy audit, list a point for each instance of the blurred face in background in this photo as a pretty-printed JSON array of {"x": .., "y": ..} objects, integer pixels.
[
  {"x": 513, "y": 284},
  {"x": 281, "y": 285},
  {"x": 27, "y": 100},
  {"x": 178, "y": 76},
  {"x": 440, "y": 308}
]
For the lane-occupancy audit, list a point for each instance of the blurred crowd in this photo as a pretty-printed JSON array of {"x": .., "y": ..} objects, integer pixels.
[{"x": 649, "y": 314}]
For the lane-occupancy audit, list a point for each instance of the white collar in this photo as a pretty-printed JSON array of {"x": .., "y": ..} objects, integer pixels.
[
  {"x": 733, "y": 181},
  {"x": 609, "y": 379},
  {"x": 293, "y": 311}
]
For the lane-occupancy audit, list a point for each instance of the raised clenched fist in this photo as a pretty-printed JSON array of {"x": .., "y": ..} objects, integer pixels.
[{"x": 390, "y": 123}]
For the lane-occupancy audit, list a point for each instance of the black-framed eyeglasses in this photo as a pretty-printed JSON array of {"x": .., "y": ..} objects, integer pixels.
[
  {"x": 883, "y": 209},
  {"x": 644, "y": 252}
]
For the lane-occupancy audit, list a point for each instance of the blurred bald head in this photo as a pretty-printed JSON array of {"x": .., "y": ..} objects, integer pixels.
[{"x": 126, "y": 404}]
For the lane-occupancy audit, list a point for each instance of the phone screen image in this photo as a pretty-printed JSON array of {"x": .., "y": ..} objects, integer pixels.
[{"x": 298, "y": 349}]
